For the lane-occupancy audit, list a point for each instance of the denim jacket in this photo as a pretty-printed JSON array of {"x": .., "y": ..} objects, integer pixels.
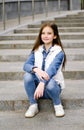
[{"x": 53, "y": 63}]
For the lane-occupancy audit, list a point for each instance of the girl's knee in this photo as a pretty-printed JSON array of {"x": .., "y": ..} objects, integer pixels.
[
  {"x": 28, "y": 77},
  {"x": 53, "y": 86}
]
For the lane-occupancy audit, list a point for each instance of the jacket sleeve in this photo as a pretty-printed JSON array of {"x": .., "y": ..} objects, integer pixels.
[
  {"x": 54, "y": 66},
  {"x": 29, "y": 64}
]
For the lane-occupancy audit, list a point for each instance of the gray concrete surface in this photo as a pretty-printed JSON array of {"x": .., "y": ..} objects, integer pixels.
[
  {"x": 61, "y": 29},
  {"x": 68, "y": 35},
  {"x": 12, "y": 55},
  {"x": 14, "y": 70},
  {"x": 73, "y": 120},
  {"x": 27, "y": 44},
  {"x": 18, "y": 66}
]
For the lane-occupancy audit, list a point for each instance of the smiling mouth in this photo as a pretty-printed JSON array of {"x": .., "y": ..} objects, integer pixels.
[{"x": 46, "y": 39}]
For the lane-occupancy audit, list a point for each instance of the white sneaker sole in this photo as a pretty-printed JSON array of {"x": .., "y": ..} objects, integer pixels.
[
  {"x": 30, "y": 116},
  {"x": 60, "y": 115}
]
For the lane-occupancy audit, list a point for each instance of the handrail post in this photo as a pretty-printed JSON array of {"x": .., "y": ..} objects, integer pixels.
[
  {"x": 46, "y": 6},
  {"x": 19, "y": 11},
  {"x": 71, "y": 5},
  {"x": 33, "y": 4},
  {"x": 59, "y": 5},
  {"x": 4, "y": 22}
]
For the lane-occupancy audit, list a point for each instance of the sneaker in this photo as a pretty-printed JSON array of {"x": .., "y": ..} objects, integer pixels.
[
  {"x": 59, "y": 111},
  {"x": 32, "y": 111}
]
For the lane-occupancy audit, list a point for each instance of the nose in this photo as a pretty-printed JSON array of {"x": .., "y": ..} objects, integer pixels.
[{"x": 46, "y": 35}]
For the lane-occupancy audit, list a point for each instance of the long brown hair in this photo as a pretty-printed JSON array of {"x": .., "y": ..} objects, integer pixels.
[{"x": 56, "y": 41}]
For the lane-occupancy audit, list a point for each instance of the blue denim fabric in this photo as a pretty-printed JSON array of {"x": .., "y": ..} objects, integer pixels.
[
  {"x": 29, "y": 64},
  {"x": 53, "y": 68},
  {"x": 44, "y": 57},
  {"x": 52, "y": 89}
]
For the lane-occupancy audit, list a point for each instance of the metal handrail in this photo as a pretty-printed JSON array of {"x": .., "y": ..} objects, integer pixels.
[
  {"x": 33, "y": 4},
  {"x": 19, "y": 11},
  {"x": 33, "y": 10},
  {"x": 71, "y": 7},
  {"x": 59, "y": 4},
  {"x": 3, "y": 16},
  {"x": 46, "y": 6}
]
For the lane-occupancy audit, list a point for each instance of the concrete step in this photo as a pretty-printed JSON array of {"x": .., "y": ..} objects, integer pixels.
[
  {"x": 71, "y": 29},
  {"x": 74, "y": 43},
  {"x": 13, "y": 96},
  {"x": 16, "y": 44},
  {"x": 63, "y": 21},
  {"x": 59, "y": 25},
  {"x": 32, "y": 36},
  {"x": 15, "y": 55},
  {"x": 81, "y": 13},
  {"x": 69, "y": 19},
  {"x": 27, "y": 44},
  {"x": 14, "y": 70},
  {"x": 75, "y": 16},
  {"x": 75, "y": 54},
  {"x": 73, "y": 120},
  {"x": 61, "y": 29},
  {"x": 27, "y": 30}
]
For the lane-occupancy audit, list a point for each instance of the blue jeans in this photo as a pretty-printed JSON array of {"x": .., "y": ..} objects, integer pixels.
[{"x": 52, "y": 89}]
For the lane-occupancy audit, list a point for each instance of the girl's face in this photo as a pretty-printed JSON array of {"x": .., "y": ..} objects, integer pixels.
[{"x": 47, "y": 35}]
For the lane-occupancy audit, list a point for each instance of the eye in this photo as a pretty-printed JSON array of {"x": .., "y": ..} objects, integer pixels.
[
  {"x": 49, "y": 33},
  {"x": 43, "y": 33}
]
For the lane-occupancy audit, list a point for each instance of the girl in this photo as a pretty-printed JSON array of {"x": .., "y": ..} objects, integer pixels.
[{"x": 43, "y": 77}]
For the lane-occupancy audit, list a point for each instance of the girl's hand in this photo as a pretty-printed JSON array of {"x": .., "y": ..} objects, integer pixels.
[
  {"x": 39, "y": 90},
  {"x": 42, "y": 74}
]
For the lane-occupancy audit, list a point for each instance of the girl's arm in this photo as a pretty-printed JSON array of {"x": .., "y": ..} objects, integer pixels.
[
  {"x": 29, "y": 64},
  {"x": 55, "y": 65}
]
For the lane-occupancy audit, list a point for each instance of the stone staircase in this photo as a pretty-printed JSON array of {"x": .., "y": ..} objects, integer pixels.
[{"x": 14, "y": 50}]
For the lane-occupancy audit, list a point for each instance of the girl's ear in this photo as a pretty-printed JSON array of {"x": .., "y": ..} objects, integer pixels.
[{"x": 55, "y": 37}]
